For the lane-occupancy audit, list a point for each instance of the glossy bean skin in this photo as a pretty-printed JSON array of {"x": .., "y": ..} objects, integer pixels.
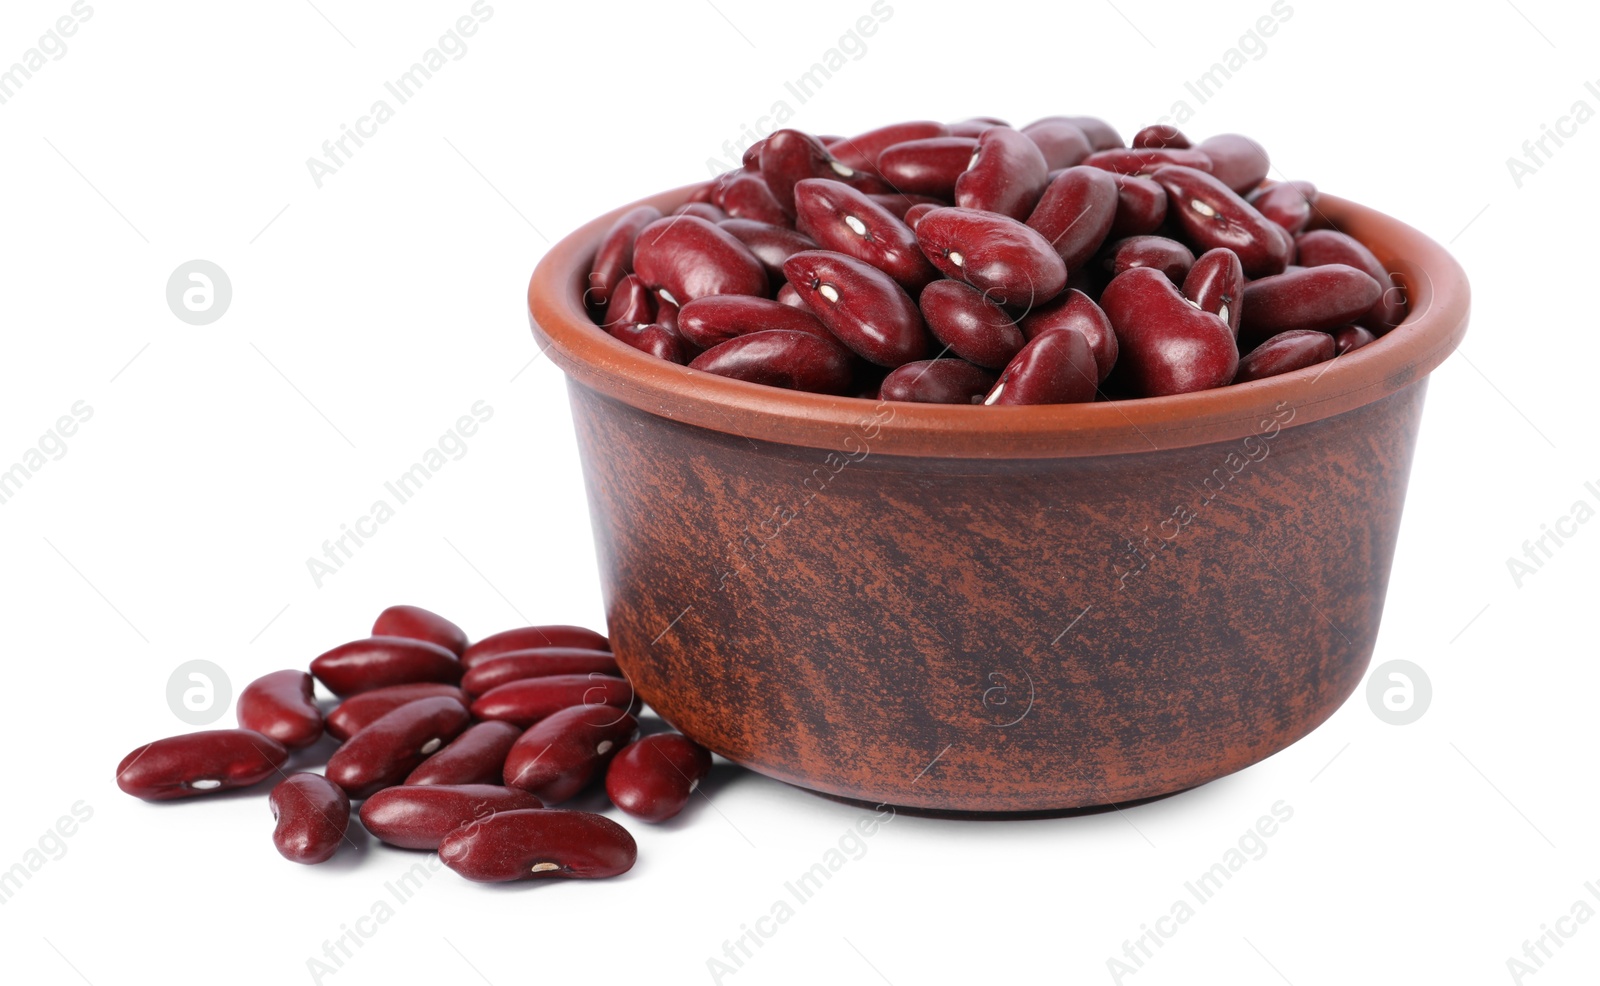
[
  {"x": 701, "y": 210},
  {"x": 862, "y": 306},
  {"x": 1161, "y": 135},
  {"x": 1145, "y": 161},
  {"x": 421, "y": 817},
  {"x": 897, "y": 204},
  {"x": 788, "y": 295},
  {"x": 915, "y": 213},
  {"x": 927, "y": 167},
  {"x": 1077, "y": 312},
  {"x": 802, "y": 361},
  {"x": 1076, "y": 213},
  {"x": 526, "y": 701},
  {"x": 1101, "y": 134},
  {"x": 969, "y": 324},
  {"x": 538, "y": 662},
  {"x": 937, "y": 381},
  {"x": 1062, "y": 144},
  {"x": 1167, "y": 256},
  {"x": 1001, "y": 257},
  {"x": 1141, "y": 206},
  {"x": 1351, "y": 338},
  {"x": 527, "y": 638},
  {"x": 392, "y": 746},
  {"x": 750, "y": 160},
  {"x": 631, "y": 304},
  {"x": 791, "y": 156},
  {"x": 377, "y": 662},
  {"x": 1212, "y": 216},
  {"x": 712, "y": 321},
  {"x": 654, "y": 778},
  {"x": 1055, "y": 367},
  {"x": 861, "y": 151},
  {"x": 1216, "y": 284},
  {"x": 976, "y": 125},
  {"x": 1318, "y": 298},
  {"x": 771, "y": 244},
  {"x": 416, "y": 623},
  {"x": 360, "y": 711},
  {"x": 1237, "y": 161},
  {"x": 530, "y": 845},
  {"x": 614, "y": 259},
  {"x": 559, "y": 755},
  {"x": 653, "y": 338},
  {"x": 312, "y": 814},
  {"x": 196, "y": 764},
  {"x": 746, "y": 195},
  {"x": 1287, "y": 203},
  {"x": 841, "y": 219},
  {"x": 1167, "y": 345},
  {"x": 281, "y": 705},
  {"x": 1322, "y": 247},
  {"x": 1285, "y": 352},
  {"x": 685, "y": 257},
  {"x": 477, "y": 756},
  {"x": 1007, "y": 175}
]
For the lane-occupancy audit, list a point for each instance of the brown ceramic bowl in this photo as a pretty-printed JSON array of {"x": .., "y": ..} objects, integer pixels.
[{"x": 998, "y": 609}]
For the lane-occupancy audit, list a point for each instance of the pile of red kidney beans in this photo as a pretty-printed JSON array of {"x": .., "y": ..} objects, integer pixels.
[
  {"x": 974, "y": 262},
  {"x": 448, "y": 747}
]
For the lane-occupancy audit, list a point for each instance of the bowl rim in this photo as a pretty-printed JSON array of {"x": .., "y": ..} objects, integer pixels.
[{"x": 1435, "y": 284}]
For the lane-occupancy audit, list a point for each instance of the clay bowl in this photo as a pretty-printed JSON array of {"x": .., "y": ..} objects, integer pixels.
[{"x": 997, "y": 609}]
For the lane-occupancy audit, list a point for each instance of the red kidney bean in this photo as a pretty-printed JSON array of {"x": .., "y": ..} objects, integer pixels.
[
  {"x": 1076, "y": 213},
  {"x": 772, "y": 245},
  {"x": 530, "y": 845},
  {"x": 969, "y": 324},
  {"x": 1161, "y": 135},
  {"x": 1214, "y": 216},
  {"x": 1001, "y": 257},
  {"x": 1287, "y": 203},
  {"x": 791, "y": 156},
  {"x": 631, "y": 304},
  {"x": 976, "y": 125},
  {"x": 1145, "y": 161},
  {"x": 312, "y": 814},
  {"x": 862, "y": 306},
  {"x": 1007, "y": 174},
  {"x": 703, "y": 192},
  {"x": 526, "y": 701},
  {"x": 1167, "y": 345},
  {"x": 1237, "y": 161},
  {"x": 559, "y": 755},
  {"x": 360, "y": 711},
  {"x": 701, "y": 210},
  {"x": 685, "y": 257},
  {"x": 1077, "y": 312},
  {"x": 802, "y": 361},
  {"x": 1101, "y": 134},
  {"x": 667, "y": 316},
  {"x": 527, "y": 638},
  {"x": 1141, "y": 206},
  {"x": 614, "y": 259},
  {"x": 656, "y": 339},
  {"x": 1062, "y": 144},
  {"x": 1167, "y": 256},
  {"x": 789, "y": 295},
  {"x": 1286, "y": 351},
  {"x": 421, "y": 817},
  {"x": 841, "y": 219},
  {"x": 915, "y": 213},
  {"x": 750, "y": 160},
  {"x": 712, "y": 321},
  {"x": 897, "y": 204},
  {"x": 280, "y": 705},
  {"x": 477, "y": 756},
  {"x": 937, "y": 381},
  {"x": 199, "y": 763},
  {"x": 746, "y": 195},
  {"x": 927, "y": 167},
  {"x": 861, "y": 152},
  {"x": 1350, "y": 338},
  {"x": 377, "y": 662},
  {"x": 653, "y": 778},
  {"x": 1216, "y": 284},
  {"x": 1055, "y": 367},
  {"x": 1322, "y": 247},
  {"x": 1320, "y": 298},
  {"x": 391, "y": 747},
  {"x": 416, "y": 623}
]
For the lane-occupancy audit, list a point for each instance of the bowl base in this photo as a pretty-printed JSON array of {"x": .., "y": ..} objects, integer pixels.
[{"x": 995, "y": 816}]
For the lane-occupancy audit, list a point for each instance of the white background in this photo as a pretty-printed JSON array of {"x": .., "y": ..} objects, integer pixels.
[{"x": 370, "y": 313}]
